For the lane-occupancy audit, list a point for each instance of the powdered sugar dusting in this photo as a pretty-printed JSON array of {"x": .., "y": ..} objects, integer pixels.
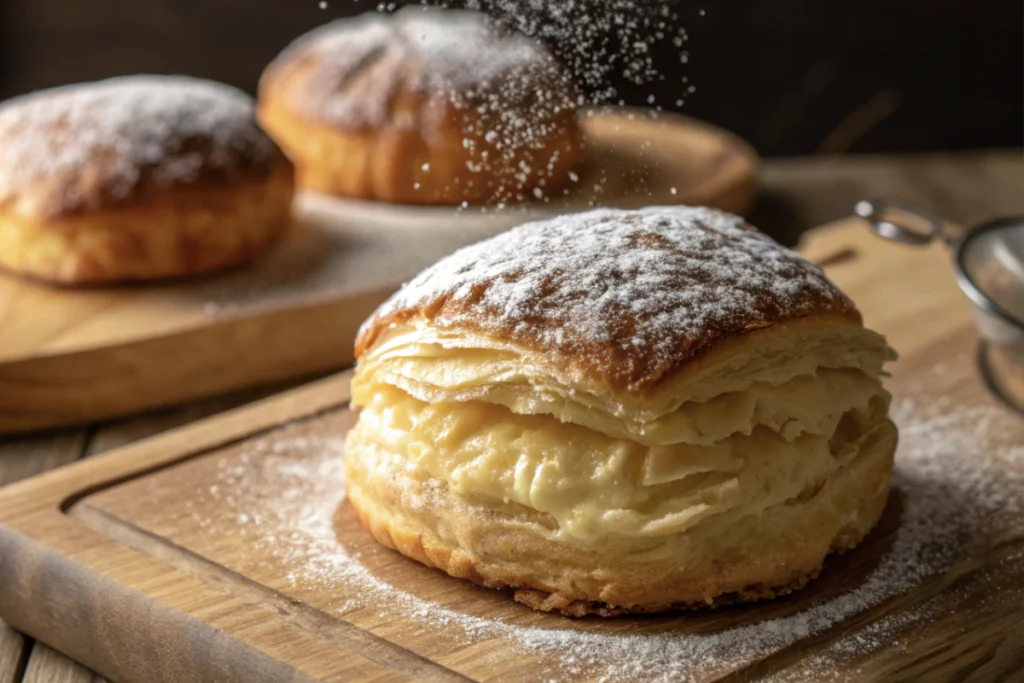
[
  {"x": 99, "y": 141},
  {"x": 659, "y": 282},
  {"x": 461, "y": 56},
  {"x": 957, "y": 479}
]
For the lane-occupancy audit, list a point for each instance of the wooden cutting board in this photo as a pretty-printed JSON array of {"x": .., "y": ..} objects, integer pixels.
[
  {"x": 69, "y": 356},
  {"x": 224, "y": 551}
]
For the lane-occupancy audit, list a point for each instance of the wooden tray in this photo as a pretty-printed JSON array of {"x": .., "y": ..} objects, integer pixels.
[
  {"x": 217, "y": 552},
  {"x": 70, "y": 356}
]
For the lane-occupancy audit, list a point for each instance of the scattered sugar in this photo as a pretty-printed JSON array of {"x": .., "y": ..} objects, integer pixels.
[
  {"x": 957, "y": 480},
  {"x": 597, "y": 38},
  {"x": 125, "y": 131}
]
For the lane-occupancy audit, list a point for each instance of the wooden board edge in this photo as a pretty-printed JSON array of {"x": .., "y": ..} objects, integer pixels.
[
  {"x": 72, "y": 482},
  {"x": 342, "y": 635},
  {"x": 133, "y": 624},
  {"x": 37, "y": 393},
  {"x": 114, "y": 605},
  {"x": 48, "y": 540}
]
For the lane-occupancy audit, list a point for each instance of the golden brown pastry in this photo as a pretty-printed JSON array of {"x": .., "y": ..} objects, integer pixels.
[
  {"x": 425, "y": 106},
  {"x": 137, "y": 178},
  {"x": 622, "y": 412}
]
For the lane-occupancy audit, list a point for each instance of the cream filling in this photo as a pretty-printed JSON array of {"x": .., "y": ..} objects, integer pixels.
[{"x": 598, "y": 486}]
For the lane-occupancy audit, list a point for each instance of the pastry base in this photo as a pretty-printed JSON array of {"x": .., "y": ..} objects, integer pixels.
[{"x": 753, "y": 558}]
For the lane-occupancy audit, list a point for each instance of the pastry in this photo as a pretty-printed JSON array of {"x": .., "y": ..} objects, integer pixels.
[
  {"x": 622, "y": 412},
  {"x": 425, "y": 106},
  {"x": 136, "y": 178}
]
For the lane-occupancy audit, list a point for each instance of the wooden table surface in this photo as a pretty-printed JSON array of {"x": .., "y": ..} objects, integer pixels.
[{"x": 796, "y": 194}]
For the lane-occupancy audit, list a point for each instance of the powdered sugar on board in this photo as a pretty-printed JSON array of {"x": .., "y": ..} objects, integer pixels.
[
  {"x": 102, "y": 139},
  {"x": 959, "y": 479}
]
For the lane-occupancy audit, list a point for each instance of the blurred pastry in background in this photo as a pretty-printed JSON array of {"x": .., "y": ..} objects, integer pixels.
[
  {"x": 137, "y": 178},
  {"x": 425, "y": 106}
]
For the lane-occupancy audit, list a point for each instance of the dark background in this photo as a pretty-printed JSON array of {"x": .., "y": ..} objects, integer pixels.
[{"x": 791, "y": 76}]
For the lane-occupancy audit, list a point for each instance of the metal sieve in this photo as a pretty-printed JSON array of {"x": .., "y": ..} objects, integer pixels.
[{"x": 989, "y": 264}]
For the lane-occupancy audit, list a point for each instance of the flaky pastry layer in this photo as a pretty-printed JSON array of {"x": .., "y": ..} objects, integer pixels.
[{"x": 801, "y": 382}]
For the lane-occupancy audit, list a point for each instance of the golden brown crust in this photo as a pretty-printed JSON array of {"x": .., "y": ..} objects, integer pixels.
[
  {"x": 423, "y": 107},
  {"x": 423, "y": 164},
  {"x": 754, "y": 558},
  {"x": 173, "y": 232},
  {"x": 96, "y": 146},
  {"x": 548, "y": 602},
  {"x": 628, "y": 298}
]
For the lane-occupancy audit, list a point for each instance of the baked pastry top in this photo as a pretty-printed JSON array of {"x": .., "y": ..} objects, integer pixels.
[
  {"x": 449, "y": 106},
  {"x": 93, "y": 146},
  {"x": 623, "y": 298},
  {"x": 137, "y": 178},
  {"x": 622, "y": 411},
  {"x": 348, "y": 72}
]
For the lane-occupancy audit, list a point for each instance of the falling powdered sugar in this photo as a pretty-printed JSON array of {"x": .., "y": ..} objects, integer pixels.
[
  {"x": 599, "y": 39},
  {"x": 457, "y": 78},
  {"x": 955, "y": 477},
  {"x": 517, "y": 70}
]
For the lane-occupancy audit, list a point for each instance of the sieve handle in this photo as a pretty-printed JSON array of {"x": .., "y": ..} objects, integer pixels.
[{"x": 901, "y": 221}]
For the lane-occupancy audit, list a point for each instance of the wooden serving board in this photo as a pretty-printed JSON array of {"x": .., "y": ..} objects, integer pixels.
[
  {"x": 224, "y": 551},
  {"x": 69, "y": 356}
]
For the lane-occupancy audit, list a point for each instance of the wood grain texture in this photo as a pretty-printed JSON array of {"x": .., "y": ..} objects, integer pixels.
[
  {"x": 31, "y": 455},
  {"x": 49, "y": 666},
  {"x": 13, "y": 654},
  {"x": 20, "y": 459},
  {"x": 128, "y": 430},
  {"x": 145, "y": 625},
  {"x": 26, "y": 456},
  {"x": 966, "y": 188},
  {"x": 130, "y": 547},
  {"x": 73, "y": 356}
]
